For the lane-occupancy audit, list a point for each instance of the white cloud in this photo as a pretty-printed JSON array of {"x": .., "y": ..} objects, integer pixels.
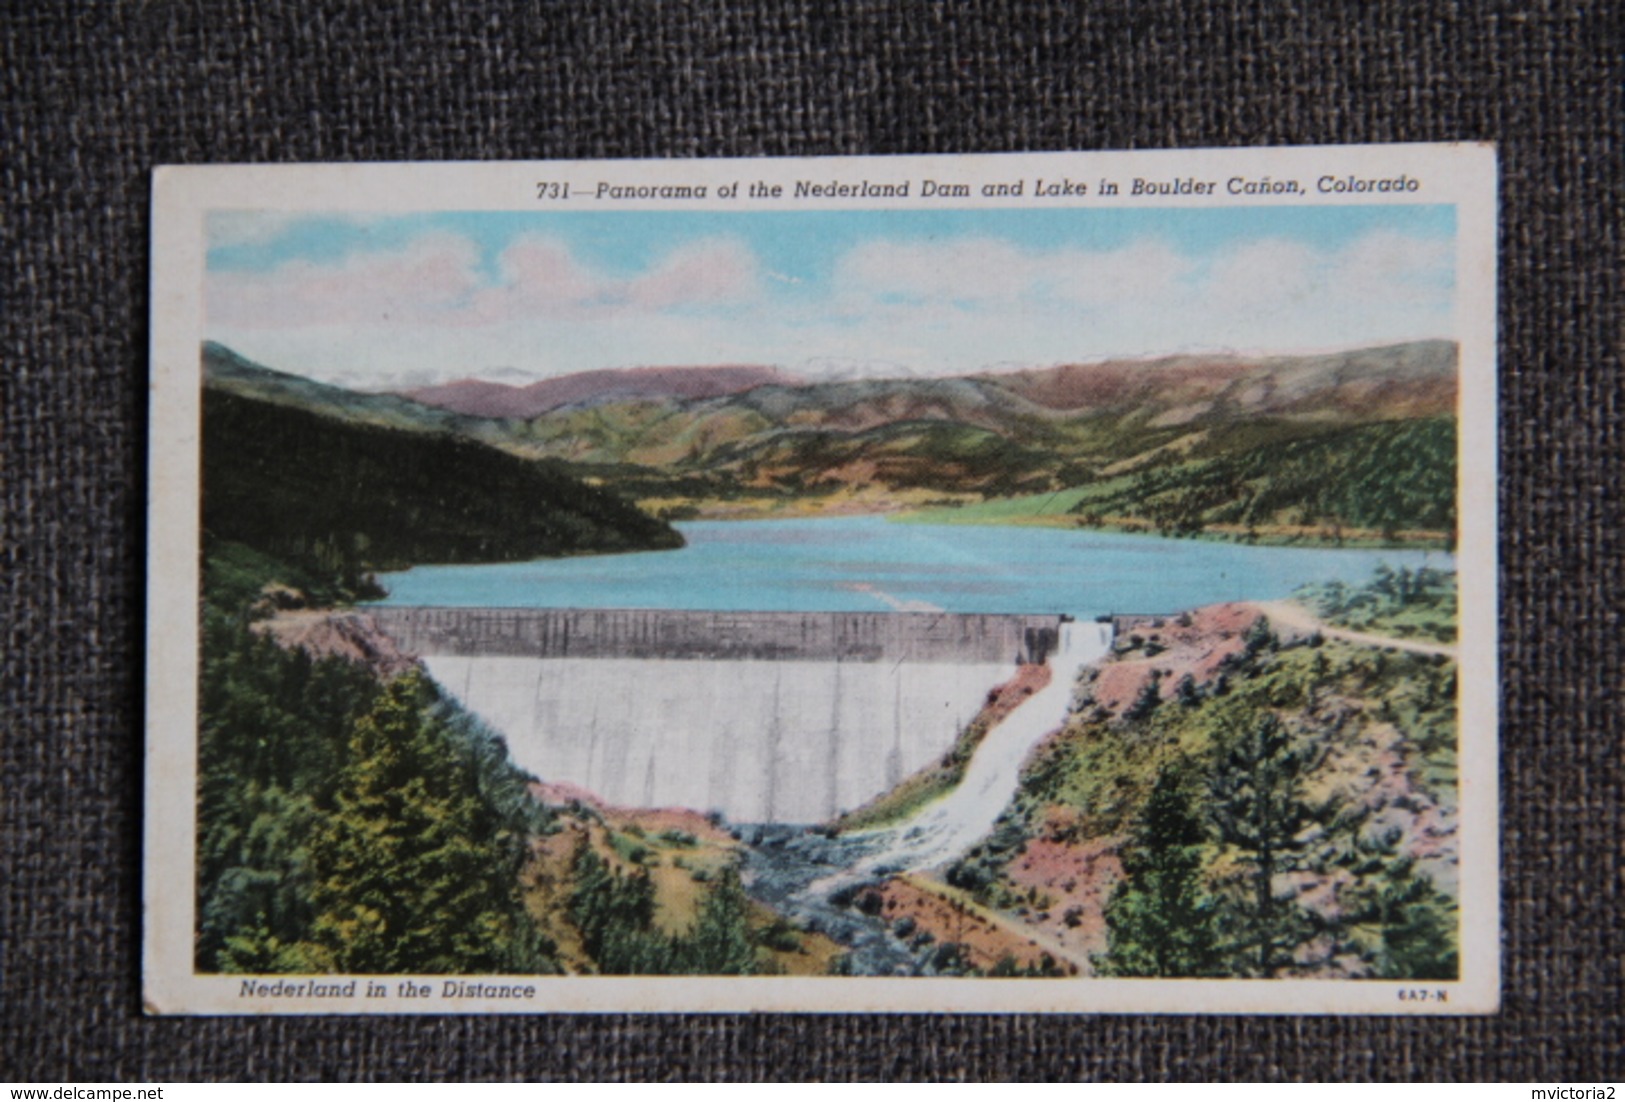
[
  {"x": 1389, "y": 265},
  {"x": 1270, "y": 273},
  {"x": 414, "y": 284},
  {"x": 704, "y": 272},
  {"x": 538, "y": 276},
  {"x": 436, "y": 280}
]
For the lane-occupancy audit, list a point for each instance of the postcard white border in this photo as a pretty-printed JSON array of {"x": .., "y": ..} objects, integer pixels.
[{"x": 1463, "y": 175}]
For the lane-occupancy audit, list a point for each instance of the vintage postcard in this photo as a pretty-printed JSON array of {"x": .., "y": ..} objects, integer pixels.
[{"x": 1052, "y": 582}]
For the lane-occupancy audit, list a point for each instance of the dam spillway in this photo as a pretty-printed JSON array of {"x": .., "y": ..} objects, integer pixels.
[{"x": 765, "y": 717}]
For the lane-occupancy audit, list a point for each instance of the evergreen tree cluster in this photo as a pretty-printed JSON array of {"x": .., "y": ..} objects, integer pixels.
[
  {"x": 1207, "y": 889},
  {"x": 1165, "y": 923},
  {"x": 351, "y": 826},
  {"x": 615, "y": 912}
]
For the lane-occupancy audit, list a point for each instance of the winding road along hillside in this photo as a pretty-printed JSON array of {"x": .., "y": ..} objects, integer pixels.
[{"x": 1287, "y": 614}]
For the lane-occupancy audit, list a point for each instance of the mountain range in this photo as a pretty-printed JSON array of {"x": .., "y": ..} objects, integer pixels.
[
  {"x": 1182, "y": 443},
  {"x": 480, "y": 398}
]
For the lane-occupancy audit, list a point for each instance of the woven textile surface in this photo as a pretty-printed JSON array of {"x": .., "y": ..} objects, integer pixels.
[{"x": 94, "y": 97}]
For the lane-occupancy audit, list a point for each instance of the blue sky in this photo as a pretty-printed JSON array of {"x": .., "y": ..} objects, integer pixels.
[{"x": 390, "y": 301}]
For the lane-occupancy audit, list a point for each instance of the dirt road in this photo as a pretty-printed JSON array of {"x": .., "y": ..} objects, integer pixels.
[{"x": 1287, "y": 614}]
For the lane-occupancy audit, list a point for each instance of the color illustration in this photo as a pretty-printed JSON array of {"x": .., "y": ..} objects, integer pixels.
[{"x": 1050, "y": 594}]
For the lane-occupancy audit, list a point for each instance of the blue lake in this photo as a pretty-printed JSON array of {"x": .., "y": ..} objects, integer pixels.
[{"x": 855, "y": 564}]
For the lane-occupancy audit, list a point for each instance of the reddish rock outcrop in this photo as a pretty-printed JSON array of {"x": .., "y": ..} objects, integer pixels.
[{"x": 328, "y": 633}]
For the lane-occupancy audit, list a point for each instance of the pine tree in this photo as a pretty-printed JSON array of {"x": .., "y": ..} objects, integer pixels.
[
  {"x": 408, "y": 875},
  {"x": 261, "y": 895},
  {"x": 720, "y": 943},
  {"x": 615, "y": 914},
  {"x": 1161, "y": 921},
  {"x": 1258, "y": 810},
  {"x": 1414, "y": 924},
  {"x": 1419, "y": 925}
]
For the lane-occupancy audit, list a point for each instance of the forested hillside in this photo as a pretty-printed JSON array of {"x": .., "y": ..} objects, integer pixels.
[
  {"x": 336, "y": 497},
  {"x": 352, "y": 824},
  {"x": 1229, "y": 801},
  {"x": 227, "y": 372},
  {"x": 347, "y": 825},
  {"x": 1390, "y": 477}
]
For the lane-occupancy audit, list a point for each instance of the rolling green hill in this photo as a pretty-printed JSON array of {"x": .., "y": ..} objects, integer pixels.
[{"x": 1388, "y": 482}]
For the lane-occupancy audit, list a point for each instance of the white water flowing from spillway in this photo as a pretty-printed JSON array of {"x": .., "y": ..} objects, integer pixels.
[
  {"x": 946, "y": 828},
  {"x": 759, "y": 741}
]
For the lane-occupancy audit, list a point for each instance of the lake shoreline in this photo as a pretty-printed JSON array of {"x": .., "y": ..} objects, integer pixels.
[
  {"x": 971, "y": 514},
  {"x": 872, "y": 562}
]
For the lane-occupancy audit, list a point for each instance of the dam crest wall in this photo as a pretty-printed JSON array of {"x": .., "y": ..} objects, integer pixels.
[{"x": 722, "y": 636}]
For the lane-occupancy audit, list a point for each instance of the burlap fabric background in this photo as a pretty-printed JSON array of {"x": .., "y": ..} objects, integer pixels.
[{"x": 94, "y": 99}]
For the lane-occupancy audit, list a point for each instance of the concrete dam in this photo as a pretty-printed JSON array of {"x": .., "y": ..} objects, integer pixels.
[{"x": 766, "y": 717}]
